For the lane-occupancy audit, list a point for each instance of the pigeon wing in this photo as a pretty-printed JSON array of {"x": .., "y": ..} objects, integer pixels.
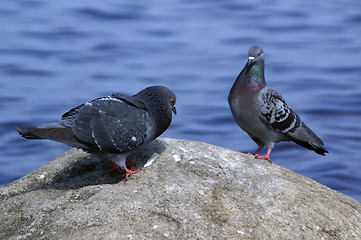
[
  {"x": 279, "y": 116},
  {"x": 112, "y": 125},
  {"x": 276, "y": 113},
  {"x": 129, "y": 100},
  {"x": 67, "y": 119}
]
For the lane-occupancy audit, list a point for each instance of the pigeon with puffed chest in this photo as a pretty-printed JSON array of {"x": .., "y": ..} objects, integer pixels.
[{"x": 263, "y": 113}]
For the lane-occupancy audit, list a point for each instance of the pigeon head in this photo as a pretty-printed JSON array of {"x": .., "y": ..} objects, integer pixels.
[
  {"x": 160, "y": 102},
  {"x": 253, "y": 73},
  {"x": 169, "y": 97},
  {"x": 163, "y": 96},
  {"x": 255, "y": 54},
  {"x": 251, "y": 78}
]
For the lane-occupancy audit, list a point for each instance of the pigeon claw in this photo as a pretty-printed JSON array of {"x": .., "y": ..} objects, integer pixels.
[
  {"x": 266, "y": 156},
  {"x": 257, "y": 154},
  {"x": 263, "y": 157},
  {"x": 127, "y": 172}
]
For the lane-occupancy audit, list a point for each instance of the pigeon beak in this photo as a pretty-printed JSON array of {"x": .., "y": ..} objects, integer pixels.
[
  {"x": 174, "y": 109},
  {"x": 251, "y": 59}
]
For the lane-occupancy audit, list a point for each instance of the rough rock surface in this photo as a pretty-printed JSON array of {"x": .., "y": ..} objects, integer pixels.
[{"x": 189, "y": 190}]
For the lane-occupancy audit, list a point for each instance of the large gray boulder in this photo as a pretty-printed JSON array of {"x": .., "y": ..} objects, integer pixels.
[{"x": 188, "y": 190}]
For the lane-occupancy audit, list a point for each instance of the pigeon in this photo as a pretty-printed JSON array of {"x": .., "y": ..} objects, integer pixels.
[
  {"x": 263, "y": 113},
  {"x": 113, "y": 126}
]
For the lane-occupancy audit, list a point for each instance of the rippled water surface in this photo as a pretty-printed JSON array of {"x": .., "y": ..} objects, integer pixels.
[{"x": 55, "y": 55}]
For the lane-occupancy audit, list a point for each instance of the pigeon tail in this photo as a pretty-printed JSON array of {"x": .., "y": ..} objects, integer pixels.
[
  {"x": 27, "y": 132},
  {"x": 305, "y": 137},
  {"x": 59, "y": 134},
  {"x": 311, "y": 146}
]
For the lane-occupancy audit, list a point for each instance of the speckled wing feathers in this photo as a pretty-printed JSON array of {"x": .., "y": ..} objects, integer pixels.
[
  {"x": 279, "y": 116},
  {"x": 275, "y": 112}
]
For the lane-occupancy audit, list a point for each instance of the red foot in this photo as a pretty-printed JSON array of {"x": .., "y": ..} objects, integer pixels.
[
  {"x": 129, "y": 172},
  {"x": 121, "y": 170},
  {"x": 266, "y": 156}
]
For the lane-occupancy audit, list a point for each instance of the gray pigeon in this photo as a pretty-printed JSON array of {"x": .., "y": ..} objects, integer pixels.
[
  {"x": 263, "y": 113},
  {"x": 114, "y": 126}
]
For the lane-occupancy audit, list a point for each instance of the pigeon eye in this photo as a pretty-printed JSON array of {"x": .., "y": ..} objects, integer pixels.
[{"x": 171, "y": 99}]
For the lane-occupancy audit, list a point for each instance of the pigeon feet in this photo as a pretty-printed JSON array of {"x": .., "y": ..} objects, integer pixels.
[
  {"x": 266, "y": 156},
  {"x": 263, "y": 157},
  {"x": 257, "y": 154},
  {"x": 127, "y": 171}
]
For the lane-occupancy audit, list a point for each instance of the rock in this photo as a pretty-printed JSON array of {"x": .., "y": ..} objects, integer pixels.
[{"x": 189, "y": 190}]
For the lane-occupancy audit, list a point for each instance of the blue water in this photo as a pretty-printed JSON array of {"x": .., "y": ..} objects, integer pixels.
[{"x": 55, "y": 55}]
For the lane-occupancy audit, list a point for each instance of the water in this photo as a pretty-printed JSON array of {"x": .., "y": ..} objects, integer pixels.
[{"x": 55, "y": 55}]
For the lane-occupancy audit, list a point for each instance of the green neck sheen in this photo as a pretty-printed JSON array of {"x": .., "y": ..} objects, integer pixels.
[{"x": 257, "y": 74}]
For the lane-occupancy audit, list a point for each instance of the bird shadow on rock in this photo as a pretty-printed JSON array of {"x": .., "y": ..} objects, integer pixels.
[{"x": 93, "y": 169}]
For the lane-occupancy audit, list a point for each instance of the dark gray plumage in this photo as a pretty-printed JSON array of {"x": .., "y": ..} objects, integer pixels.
[
  {"x": 263, "y": 113},
  {"x": 115, "y": 125}
]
